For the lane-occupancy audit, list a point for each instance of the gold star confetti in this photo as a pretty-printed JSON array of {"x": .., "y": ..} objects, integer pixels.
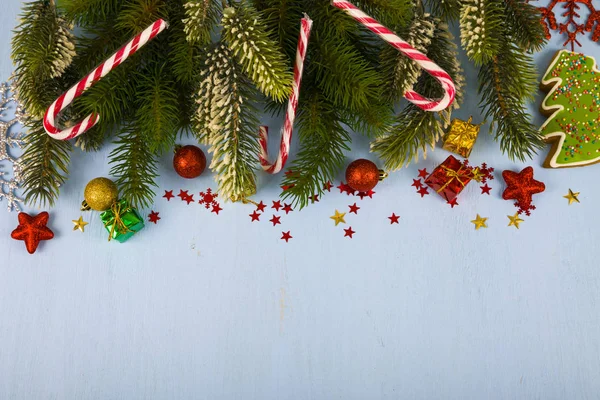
[
  {"x": 79, "y": 224},
  {"x": 479, "y": 222},
  {"x": 338, "y": 218},
  {"x": 572, "y": 197},
  {"x": 515, "y": 220}
]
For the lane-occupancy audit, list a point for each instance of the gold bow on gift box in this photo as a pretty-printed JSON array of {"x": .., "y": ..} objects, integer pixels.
[{"x": 452, "y": 174}]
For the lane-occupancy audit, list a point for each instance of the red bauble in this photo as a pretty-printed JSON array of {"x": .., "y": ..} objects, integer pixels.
[
  {"x": 362, "y": 175},
  {"x": 32, "y": 230},
  {"x": 189, "y": 162}
]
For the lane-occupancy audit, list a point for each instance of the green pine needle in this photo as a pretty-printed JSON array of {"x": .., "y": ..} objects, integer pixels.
[{"x": 260, "y": 56}]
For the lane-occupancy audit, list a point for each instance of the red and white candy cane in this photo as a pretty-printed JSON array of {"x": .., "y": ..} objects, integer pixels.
[
  {"x": 290, "y": 116},
  {"x": 101, "y": 71},
  {"x": 432, "y": 68}
]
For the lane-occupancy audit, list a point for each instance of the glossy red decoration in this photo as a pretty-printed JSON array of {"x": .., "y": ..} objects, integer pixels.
[
  {"x": 189, "y": 162},
  {"x": 449, "y": 179},
  {"x": 32, "y": 230},
  {"x": 362, "y": 175},
  {"x": 520, "y": 186}
]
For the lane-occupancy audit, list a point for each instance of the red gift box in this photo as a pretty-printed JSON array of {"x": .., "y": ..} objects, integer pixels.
[{"x": 450, "y": 178}]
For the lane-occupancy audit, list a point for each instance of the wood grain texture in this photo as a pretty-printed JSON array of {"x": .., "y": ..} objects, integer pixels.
[{"x": 207, "y": 307}]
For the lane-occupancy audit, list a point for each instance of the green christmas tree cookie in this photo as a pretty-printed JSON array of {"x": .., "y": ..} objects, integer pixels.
[{"x": 573, "y": 107}]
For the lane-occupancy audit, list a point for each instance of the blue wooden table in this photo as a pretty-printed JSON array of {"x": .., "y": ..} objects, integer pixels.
[{"x": 202, "y": 306}]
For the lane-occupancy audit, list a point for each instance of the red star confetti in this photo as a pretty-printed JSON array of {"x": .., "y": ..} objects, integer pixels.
[
  {"x": 286, "y": 236},
  {"x": 423, "y": 192},
  {"x": 287, "y": 187},
  {"x": 394, "y": 219},
  {"x": 349, "y": 232},
  {"x": 276, "y": 220},
  {"x": 276, "y": 205},
  {"x": 485, "y": 189},
  {"x": 153, "y": 217},
  {"x": 315, "y": 198},
  {"x": 328, "y": 186},
  {"x": 168, "y": 195},
  {"x": 208, "y": 198},
  {"x": 453, "y": 203},
  {"x": 216, "y": 208},
  {"x": 423, "y": 173},
  {"x": 368, "y": 194},
  {"x": 287, "y": 208},
  {"x": 521, "y": 187},
  {"x": 189, "y": 199},
  {"x": 417, "y": 183},
  {"x": 354, "y": 208},
  {"x": 347, "y": 189},
  {"x": 183, "y": 194},
  {"x": 255, "y": 216},
  {"x": 261, "y": 206}
]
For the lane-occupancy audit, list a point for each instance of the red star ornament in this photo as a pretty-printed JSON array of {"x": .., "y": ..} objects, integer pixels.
[
  {"x": 286, "y": 236},
  {"x": 328, "y": 186},
  {"x": 255, "y": 216},
  {"x": 485, "y": 189},
  {"x": 153, "y": 217},
  {"x": 394, "y": 219},
  {"x": 216, "y": 208},
  {"x": 276, "y": 205},
  {"x": 417, "y": 183},
  {"x": 521, "y": 187},
  {"x": 183, "y": 194},
  {"x": 261, "y": 206},
  {"x": 354, "y": 208},
  {"x": 287, "y": 208},
  {"x": 168, "y": 195},
  {"x": 275, "y": 220},
  {"x": 32, "y": 230},
  {"x": 349, "y": 232},
  {"x": 423, "y": 173},
  {"x": 423, "y": 192}
]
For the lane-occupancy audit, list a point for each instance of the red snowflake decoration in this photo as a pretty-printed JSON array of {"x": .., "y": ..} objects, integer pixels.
[
  {"x": 208, "y": 198},
  {"x": 573, "y": 26}
]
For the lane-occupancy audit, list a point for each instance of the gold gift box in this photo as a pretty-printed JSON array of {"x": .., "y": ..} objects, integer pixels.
[{"x": 461, "y": 137}]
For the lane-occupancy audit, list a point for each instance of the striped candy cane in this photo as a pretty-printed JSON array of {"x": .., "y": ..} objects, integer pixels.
[
  {"x": 101, "y": 71},
  {"x": 290, "y": 116},
  {"x": 432, "y": 68}
]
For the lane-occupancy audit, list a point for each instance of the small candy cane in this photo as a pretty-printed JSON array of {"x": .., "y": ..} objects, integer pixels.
[
  {"x": 432, "y": 68},
  {"x": 101, "y": 71},
  {"x": 288, "y": 126}
]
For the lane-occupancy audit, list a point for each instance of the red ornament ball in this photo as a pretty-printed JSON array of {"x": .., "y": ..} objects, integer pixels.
[
  {"x": 362, "y": 175},
  {"x": 189, "y": 162}
]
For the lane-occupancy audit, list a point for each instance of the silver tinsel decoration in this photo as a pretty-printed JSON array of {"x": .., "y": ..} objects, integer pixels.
[{"x": 11, "y": 115}]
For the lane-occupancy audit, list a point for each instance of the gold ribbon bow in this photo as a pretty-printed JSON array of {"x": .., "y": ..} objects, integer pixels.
[
  {"x": 118, "y": 223},
  {"x": 452, "y": 174}
]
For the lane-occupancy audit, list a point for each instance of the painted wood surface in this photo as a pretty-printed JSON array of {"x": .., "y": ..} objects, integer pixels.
[{"x": 216, "y": 307}]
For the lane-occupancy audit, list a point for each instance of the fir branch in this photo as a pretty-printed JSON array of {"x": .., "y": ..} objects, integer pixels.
[
  {"x": 90, "y": 12},
  {"x": 323, "y": 142},
  {"x": 134, "y": 166},
  {"x": 226, "y": 121},
  {"x": 282, "y": 18},
  {"x": 347, "y": 79},
  {"x": 524, "y": 25},
  {"x": 157, "y": 114},
  {"x": 201, "y": 18},
  {"x": 446, "y": 10},
  {"x": 265, "y": 64},
  {"x": 401, "y": 71},
  {"x": 481, "y": 22},
  {"x": 137, "y": 15},
  {"x": 415, "y": 130},
  {"x": 43, "y": 48},
  {"x": 506, "y": 84},
  {"x": 392, "y": 13},
  {"x": 45, "y": 165}
]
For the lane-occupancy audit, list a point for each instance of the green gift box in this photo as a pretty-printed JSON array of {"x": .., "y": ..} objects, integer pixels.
[{"x": 122, "y": 221}]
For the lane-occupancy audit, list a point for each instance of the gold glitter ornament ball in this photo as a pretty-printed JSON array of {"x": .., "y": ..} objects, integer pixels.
[{"x": 100, "y": 194}]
